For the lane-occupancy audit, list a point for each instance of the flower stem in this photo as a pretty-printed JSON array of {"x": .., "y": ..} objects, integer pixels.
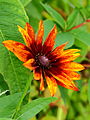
[{"x": 28, "y": 84}]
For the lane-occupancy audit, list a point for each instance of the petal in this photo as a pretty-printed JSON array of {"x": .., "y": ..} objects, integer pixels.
[
  {"x": 70, "y": 51},
  {"x": 73, "y": 75},
  {"x": 68, "y": 58},
  {"x": 30, "y": 31},
  {"x": 63, "y": 79},
  {"x": 20, "y": 50},
  {"x": 37, "y": 73},
  {"x": 30, "y": 64},
  {"x": 52, "y": 84},
  {"x": 40, "y": 34},
  {"x": 72, "y": 66},
  {"x": 27, "y": 38},
  {"x": 57, "y": 51},
  {"x": 42, "y": 83},
  {"x": 50, "y": 41},
  {"x": 72, "y": 87}
]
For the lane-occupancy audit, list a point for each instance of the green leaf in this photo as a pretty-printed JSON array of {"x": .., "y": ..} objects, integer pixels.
[
  {"x": 57, "y": 17},
  {"x": 83, "y": 50},
  {"x": 64, "y": 37},
  {"x": 89, "y": 90},
  {"x": 82, "y": 36},
  {"x": 25, "y": 2},
  {"x": 6, "y": 119},
  {"x": 48, "y": 25},
  {"x": 12, "y": 13},
  {"x": 64, "y": 93},
  {"x": 3, "y": 84},
  {"x": 8, "y": 104},
  {"x": 31, "y": 109},
  {"x": 72, "y": 18}
]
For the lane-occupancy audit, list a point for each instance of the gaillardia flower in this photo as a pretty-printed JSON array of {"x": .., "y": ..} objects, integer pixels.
[{"x": 54, "y": 66}]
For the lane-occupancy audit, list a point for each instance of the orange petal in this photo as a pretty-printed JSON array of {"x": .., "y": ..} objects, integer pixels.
[
  {"x": 30, "y": 64},
  {"x": 64, "y": 79},
  {"x": 57, "y": 51},
  {"x": 50, "y": 41},
  {"x": 42, "y": 83},
  {"x": 27, "y": 38},
  {"x": 70, "y": 51},
  {"x": 20, "y": 50},
  {"x": 72, "y": 66},
  {"x": 72, "y": 87},
  {"x": 52, "y": 85},
  {"x": 37, "y": 73},
  {"x": 30, "y": 31},
  {"x": 73, "y": 75},
  {"x": 40, "y": 34},
  {"x": 69, "y": 58}
]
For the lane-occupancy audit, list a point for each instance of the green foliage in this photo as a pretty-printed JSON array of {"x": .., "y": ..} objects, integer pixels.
[
  {"x": 57, "y": 17},
  {"x": 12, "y": 14},
  {"x": 8, "y": 105},
  {"x": 31, "y": 109},
  {"x": 18, "y": 103}
]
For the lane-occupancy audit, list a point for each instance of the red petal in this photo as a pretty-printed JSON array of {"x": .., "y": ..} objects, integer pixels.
[
  {"x": 63, "y": 78},
  {"x": 42, "y": 83},
  {"x": 50, "y": 41},
  {"x": 40, "y": 35},
  {"x": 68, "y": 86},
  {"x": 37, "y": 73},
  {"x": 30, "y": 64},
  {"x": 52, "y": 84},
  {"x": 27, "y": 38},
  {"x": 57, "y": 52},
  {"x": 30, "y": 31},
  {"x": 20, "y": 50}
]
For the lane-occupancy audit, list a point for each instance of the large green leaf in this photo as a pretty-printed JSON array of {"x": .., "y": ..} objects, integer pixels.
[
  {"x": 25, "y": 2},
  {"x": 12, "y": 13},
  {"x": 8, "y": 105},
  {"x": 3, "y": 85},
  {"x": 63, "y": 38},
  {"x": 82, "y": 36},
  {"x": 57, "y": 17},
  {"x": 6, "y": 119},
  {"x": 89, "y": 90},
  {"x": 31, "y": 109}
]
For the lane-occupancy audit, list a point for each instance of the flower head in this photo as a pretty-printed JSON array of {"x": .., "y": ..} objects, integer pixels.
[{"x": 54, "y": 66}]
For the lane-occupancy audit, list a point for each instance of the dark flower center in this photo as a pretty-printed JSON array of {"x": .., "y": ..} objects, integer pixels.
[{"x": 44, "y": 61}]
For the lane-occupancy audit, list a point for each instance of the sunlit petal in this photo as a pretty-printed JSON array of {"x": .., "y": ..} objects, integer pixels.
[
  {"x": 19, "y": 49},
  {"x": 50, "y": 41},
  {"x": 30, "y": 64}
]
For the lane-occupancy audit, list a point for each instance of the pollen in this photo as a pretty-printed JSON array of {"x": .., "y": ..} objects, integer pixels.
[{"x": 44, "y": 61}]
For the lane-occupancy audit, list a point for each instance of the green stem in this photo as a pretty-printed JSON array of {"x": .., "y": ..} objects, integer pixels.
[{"x": 28, "y": 84}]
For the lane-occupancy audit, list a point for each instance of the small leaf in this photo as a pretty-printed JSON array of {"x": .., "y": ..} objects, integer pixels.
[
  {"x": 72, "y": 18},
  {"x": 31, "y": 109},
  {"x": 8, "y": 104},
  {"x": 57, "y": 17}
]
